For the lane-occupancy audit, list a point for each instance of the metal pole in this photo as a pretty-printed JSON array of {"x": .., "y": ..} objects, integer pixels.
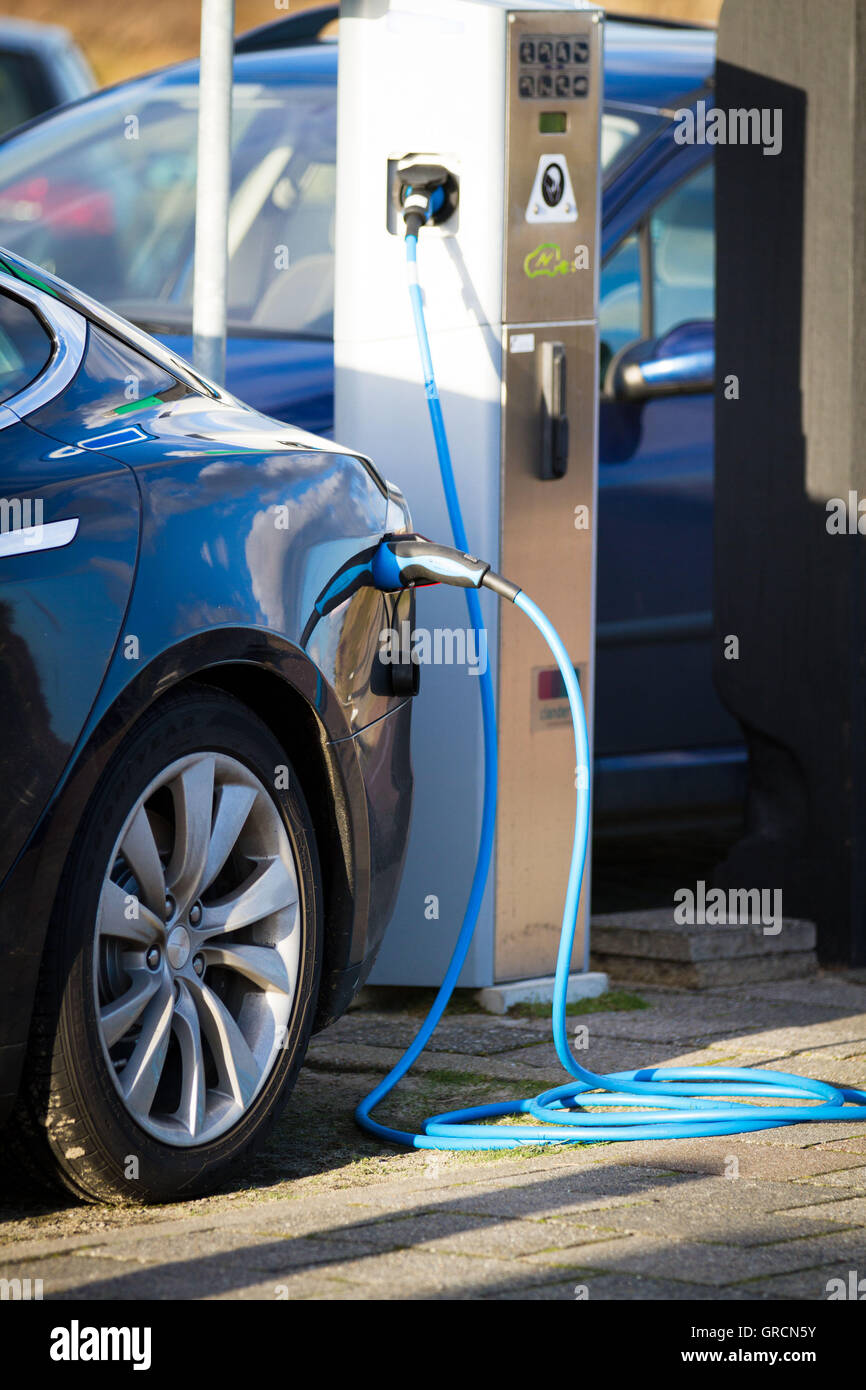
[{"x": 213, "y": 185}]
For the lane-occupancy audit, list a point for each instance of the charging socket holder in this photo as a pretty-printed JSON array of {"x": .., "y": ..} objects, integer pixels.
[{"x": 444, "y": 222}]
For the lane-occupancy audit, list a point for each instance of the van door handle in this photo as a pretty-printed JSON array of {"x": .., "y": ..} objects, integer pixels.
[{"x": 554, "y": 416}]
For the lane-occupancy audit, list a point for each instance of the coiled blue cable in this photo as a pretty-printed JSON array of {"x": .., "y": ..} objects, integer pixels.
[{"x": 703, "y": 1098}]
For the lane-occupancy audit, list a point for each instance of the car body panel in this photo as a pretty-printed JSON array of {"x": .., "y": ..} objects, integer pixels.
[
  {"x": 61, "y": 612},
  {"x": 253, "y": 516}
]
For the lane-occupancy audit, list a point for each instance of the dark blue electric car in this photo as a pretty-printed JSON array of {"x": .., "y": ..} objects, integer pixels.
[
  {"x": 103, "y": 194},
  {"x": 205, "y": 768}
]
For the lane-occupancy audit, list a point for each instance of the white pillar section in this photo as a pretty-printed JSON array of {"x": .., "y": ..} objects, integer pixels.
[
  {"x": 213, "y": 188},
  {"x": 500, "y": 92}
]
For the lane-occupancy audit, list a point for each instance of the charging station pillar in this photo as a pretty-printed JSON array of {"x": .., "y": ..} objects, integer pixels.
[
  {"x": 507, "y": 97},
  {"x": 790, "y": 464}
]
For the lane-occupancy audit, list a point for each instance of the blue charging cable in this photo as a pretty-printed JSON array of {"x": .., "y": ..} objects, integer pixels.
[
  {"x": 491, "y": 768},
  {"x": 705, "y": 1101}
]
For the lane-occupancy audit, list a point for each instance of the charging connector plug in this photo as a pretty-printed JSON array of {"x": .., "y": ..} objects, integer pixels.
[
  {"x": 409, "y": 562},
  {"x": 427, "y": 194}
]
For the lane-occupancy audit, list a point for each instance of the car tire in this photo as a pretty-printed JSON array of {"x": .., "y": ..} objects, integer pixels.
[{"x": 218, "y": 989}]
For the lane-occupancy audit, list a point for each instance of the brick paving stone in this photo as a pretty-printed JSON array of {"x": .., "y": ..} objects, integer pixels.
[
  {"x": 574, "y": 1195},
  {"x": 455, "y": 1232},
  {"x": 715, "y": 1265},
  {"x": 814, "y": 1137},
  {"x": 845, "y": 1036},
  {"x": 851, "y": 1211},
  {"x": 682, "y": 1022},
  {"x": 747, "y": 1229},
  {"x": 605, "y": 1055},
  {"x": 854, "y": 1143},
  {"x": 475, "y": 1038},
  {"x": 838, "y": 1071},
  {"x": 209, "y": 1271},
  {"x": 413, "y": 1274},
  {"x": 756, "y": 1155},
  {"x": 601, "y": 1288},
  {"x": 828, "y": 989},
  {"x": 806, "y": 1283},
  {"x": 293, "y": 1288},
  {"x": 375, "y": 1061},
  {"x": 851, "y": 1178}
]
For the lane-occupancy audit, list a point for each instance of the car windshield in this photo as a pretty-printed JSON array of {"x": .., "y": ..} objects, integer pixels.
[{"x": 104, "y": 196}]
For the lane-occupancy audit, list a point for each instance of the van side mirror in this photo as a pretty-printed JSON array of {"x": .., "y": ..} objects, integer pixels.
[{"x": 681, "y": 363}]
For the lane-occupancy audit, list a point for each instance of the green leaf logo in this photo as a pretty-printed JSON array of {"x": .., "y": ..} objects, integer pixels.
[{"x": 546, "y": 259}]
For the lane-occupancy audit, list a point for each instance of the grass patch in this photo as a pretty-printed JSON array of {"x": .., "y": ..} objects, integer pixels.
[
  {"x": 416, "y": 1001},
  {"x": 617, "y": 1001}
]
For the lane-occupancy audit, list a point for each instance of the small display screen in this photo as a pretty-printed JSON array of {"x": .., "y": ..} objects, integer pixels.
[{"x": 553, "y": 123}]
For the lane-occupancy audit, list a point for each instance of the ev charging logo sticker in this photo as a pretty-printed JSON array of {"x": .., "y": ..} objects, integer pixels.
[{"x": 552, "y": 198}]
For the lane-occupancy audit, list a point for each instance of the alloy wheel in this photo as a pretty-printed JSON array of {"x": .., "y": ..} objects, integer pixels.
[{"x": 197, "y": 949}]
